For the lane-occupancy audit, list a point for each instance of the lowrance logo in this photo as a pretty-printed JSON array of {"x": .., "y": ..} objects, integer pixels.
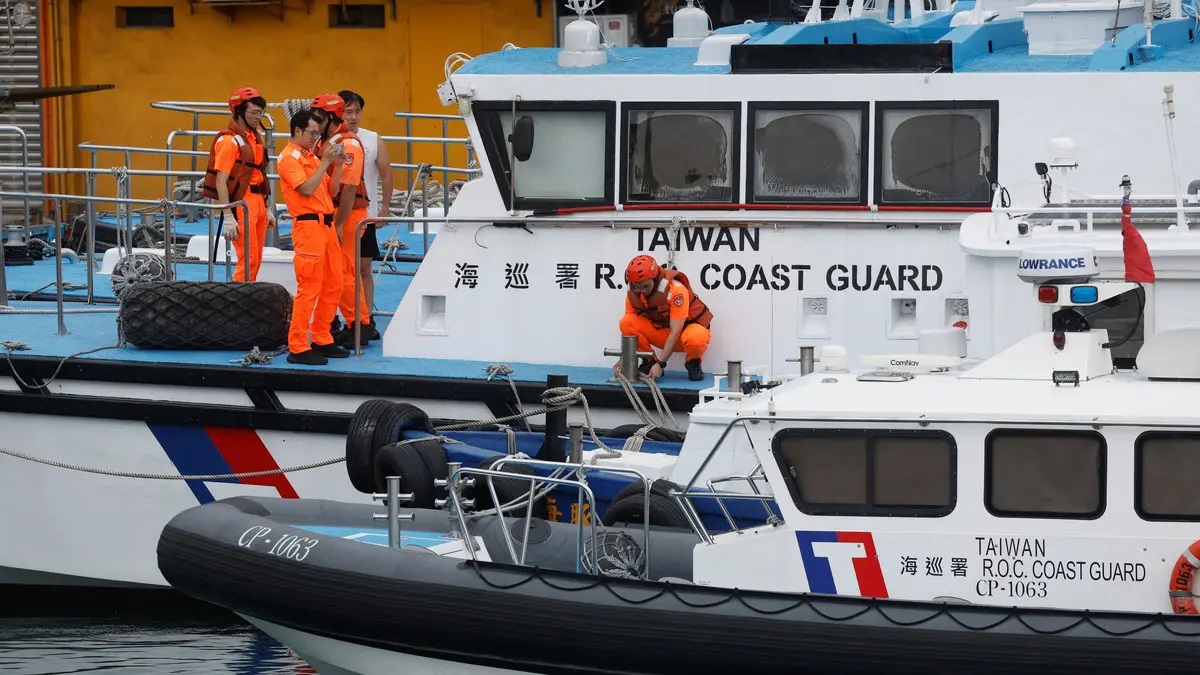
[{"x": 1053, "y": 263}]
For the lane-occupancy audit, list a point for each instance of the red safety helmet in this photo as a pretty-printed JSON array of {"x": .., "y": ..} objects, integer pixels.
[
  {"x": 642, "y": 268},
  {"x": 241, "y": 96},
  {"x": 330, "y": 103}
]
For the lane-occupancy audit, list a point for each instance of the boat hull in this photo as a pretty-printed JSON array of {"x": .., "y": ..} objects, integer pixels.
[{"x": 331, "y": 593}]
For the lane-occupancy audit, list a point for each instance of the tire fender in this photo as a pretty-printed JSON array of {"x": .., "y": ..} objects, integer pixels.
[
  {"x": 374, "y": 424},
  {"x": 404, "y": 461}
]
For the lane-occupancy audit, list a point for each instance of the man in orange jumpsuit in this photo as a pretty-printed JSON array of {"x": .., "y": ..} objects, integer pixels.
[
  {"x": 318, "y": 257},
  {"x": 662, "y": 310},
  {"x": 349, "y": 194},
  {"x": 237, "y": 170}
]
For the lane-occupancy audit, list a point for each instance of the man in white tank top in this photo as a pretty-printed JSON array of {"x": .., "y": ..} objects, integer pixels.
[{"x": 377, "y": 167}]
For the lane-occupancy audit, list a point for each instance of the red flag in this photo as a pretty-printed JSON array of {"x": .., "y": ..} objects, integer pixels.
[{"x": 1138, "y": 266}]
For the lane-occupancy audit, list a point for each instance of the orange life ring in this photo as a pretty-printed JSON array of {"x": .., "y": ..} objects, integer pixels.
[{"x": 1180, "y": 590}]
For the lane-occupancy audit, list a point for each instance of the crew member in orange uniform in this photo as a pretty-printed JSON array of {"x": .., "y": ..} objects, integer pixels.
[
  {"x": 318, "y": 258},
  {"x": 349, "y": 194},
  {"x": 237, "y": 170},
  {"x": 662, "y": 310}
]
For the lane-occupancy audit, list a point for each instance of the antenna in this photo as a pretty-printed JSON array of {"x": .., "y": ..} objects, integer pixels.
[{"x": 582, "y": 7}]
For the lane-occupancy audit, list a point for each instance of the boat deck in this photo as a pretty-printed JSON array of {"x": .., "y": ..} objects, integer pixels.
[{"x": 92, "y": 327}]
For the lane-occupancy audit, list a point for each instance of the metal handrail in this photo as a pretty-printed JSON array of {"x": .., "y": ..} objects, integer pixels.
[
  {"x": 58, "y": 232},
  {"x": 457, "y": 511},
  {"x": 580, "y": 469},
  {"x": 12, "y": 128}
]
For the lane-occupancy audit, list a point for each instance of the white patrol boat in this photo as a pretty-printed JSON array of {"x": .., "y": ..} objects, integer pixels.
[
  {"x": 924, "y": 513},
  {"x": 811, "y": 178}
]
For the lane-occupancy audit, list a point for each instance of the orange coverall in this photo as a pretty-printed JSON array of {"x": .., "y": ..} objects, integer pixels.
[
  {"x": 693, "y": 339},
  {"x": 226, "y": 155},
  {"x": 351, "y": 174},
  {"x": 318, "y": 260}
]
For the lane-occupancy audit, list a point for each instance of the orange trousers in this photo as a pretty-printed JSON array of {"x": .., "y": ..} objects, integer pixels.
[
  {"x": 318, "y": 263},
  {"x": 350, "y": 270},
  {"x": 257, "y": 230},
  {"x": 693, "y": 339}
]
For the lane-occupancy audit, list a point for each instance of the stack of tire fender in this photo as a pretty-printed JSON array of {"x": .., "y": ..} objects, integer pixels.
[{"x": 375, "y": 450}]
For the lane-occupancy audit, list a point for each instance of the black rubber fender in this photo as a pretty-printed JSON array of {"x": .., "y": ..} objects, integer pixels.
[
  {"x": 507, "y": 489},
  {"x": 205, "y": 315},
  {"x": 433, "y": 453},
  {"x": 395, "y": 459},
  {"x": 397, "y": 418},
  {"x": 655, "y": 434},
  {"x": 360, "y": 443},
  {"x": 628, "y": 506}
]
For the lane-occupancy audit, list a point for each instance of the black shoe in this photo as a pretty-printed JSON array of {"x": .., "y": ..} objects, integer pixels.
[
  {"x": 693, "y": 370},
  {"x": 647, "y": 364},
  {"x": 335, "y": 325},
  {"x": 369, "y": 331},
  {"x": 345, "y": 337},
  {"x": 307, "y": 357},
  {"x": 330, "y": 350}
]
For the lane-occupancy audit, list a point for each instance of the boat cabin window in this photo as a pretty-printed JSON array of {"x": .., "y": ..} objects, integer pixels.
[
  {"x": 681, "y": 153},
  {"x": 806, "y": 152},
  {"x": 561, "y": 153},
  {"x": 868, "y": 472},
  {"x": 936, "y": 153},
  {"x": 1041, "y": 473},
  {"x": 1165, "y": 468}
]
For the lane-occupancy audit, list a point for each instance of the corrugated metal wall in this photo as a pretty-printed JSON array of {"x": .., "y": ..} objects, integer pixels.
[{"x": 19, "y": 69}]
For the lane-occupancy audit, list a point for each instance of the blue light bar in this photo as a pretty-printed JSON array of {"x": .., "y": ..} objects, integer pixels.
[{"x": 1084, "y": 295}]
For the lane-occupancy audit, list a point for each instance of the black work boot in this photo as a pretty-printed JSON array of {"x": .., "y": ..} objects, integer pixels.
[
  {"x": 693, "y": 369},
  {"x": 646, "y": 365},
  {"x": 345, "y": 337},
  {"x": 331, "y": 350},
  {"x": 370, "y": 331},
  {"x": 307, "y": 357}
]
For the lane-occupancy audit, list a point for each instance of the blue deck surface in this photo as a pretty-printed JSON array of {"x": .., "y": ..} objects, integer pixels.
[{"x": 997, "y": 46}]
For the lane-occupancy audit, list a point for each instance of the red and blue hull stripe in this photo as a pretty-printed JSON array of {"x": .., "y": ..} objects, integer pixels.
[{"x": 201, "y": 451}]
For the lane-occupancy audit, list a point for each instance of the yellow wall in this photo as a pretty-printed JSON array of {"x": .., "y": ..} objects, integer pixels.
[{"x": 206, "y": 55}]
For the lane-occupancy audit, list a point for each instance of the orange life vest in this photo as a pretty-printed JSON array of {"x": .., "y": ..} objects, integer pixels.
[
  {"x": 243, "y": 169},
  {"x": 656, "y": 308},
  {"x": 361, "y": 201}
]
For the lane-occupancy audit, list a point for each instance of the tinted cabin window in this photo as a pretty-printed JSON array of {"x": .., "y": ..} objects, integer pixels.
[
  {"x": 868, "y": 473},
  {"x": 1166, "y": 467},
  {"x": 936, "y": 155},
  {"x": 681, "y": 156},
  {"x": 1044, "y": 474},
  {"x": 568, "y": 154},
  {"x": 808, "y": 155},
  {"x": 571, "y": 148}
]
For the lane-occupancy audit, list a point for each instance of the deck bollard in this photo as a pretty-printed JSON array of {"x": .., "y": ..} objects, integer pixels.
[
  {"x": 733, "y": 376},
  {"x": 629, "y": 355},
  {"x": 807, "y": 360},
  {"x": 576, "y": 436},
  {"x": 393, "y": 515}
]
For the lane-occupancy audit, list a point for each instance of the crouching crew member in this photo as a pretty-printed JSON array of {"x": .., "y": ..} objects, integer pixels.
[
  {"x": 237, "y": 171},
  {"x": 318, "y": 258},
  {"x": 662, "y": 310},
  {"x": 349, "y": 194}
]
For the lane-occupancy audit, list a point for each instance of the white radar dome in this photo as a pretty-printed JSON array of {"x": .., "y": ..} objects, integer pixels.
[{"x": 1057, "y": 265}]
